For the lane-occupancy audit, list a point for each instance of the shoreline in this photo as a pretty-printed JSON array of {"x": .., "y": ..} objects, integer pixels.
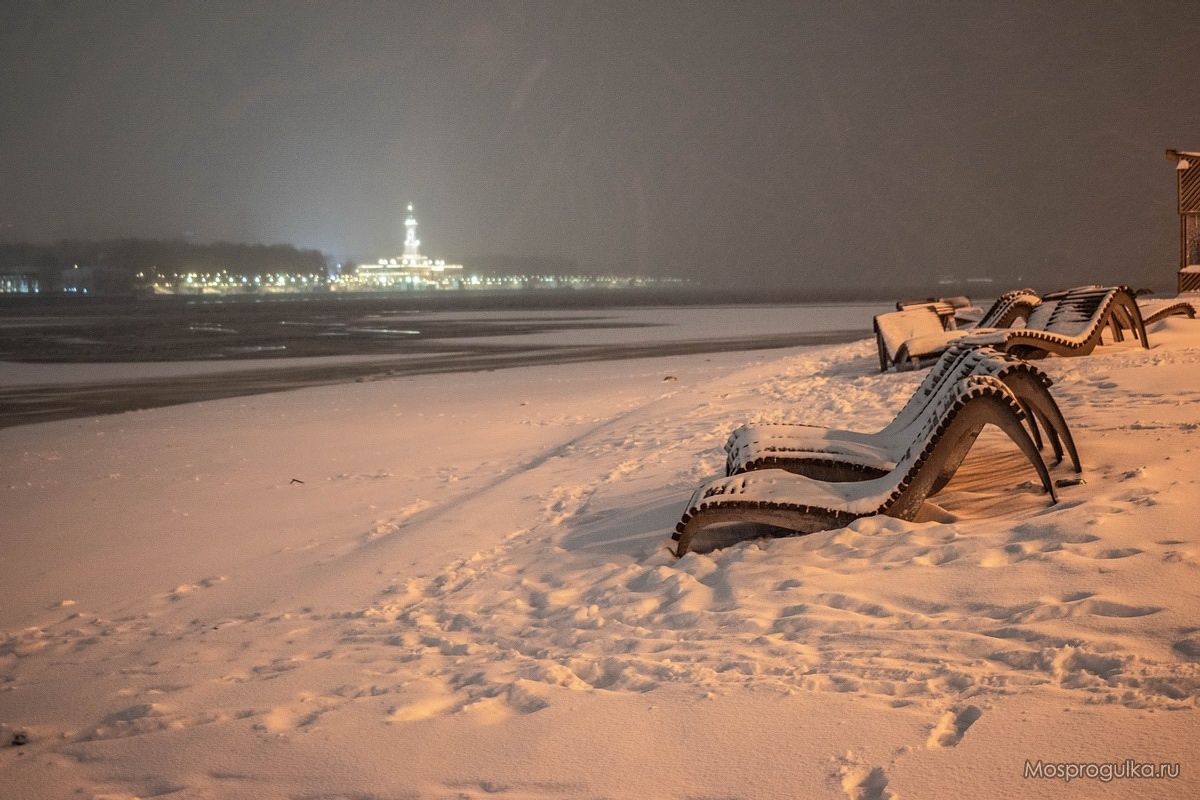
[{"x": 33, "y": 403}]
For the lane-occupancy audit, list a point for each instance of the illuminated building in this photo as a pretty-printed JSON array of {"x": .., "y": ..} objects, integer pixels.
[
  {"x": 410, "y": 271},
  {"x": 24, "y": 282}
]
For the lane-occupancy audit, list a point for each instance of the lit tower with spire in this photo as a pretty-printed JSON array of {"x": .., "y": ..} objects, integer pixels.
[{"x": 412, "y": 245}]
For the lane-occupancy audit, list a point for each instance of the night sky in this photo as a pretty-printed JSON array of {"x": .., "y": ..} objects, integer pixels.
[{"x": 757, "y": 143}]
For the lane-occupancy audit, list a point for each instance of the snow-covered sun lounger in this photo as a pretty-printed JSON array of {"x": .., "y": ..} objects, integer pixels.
[
  {"x": 912, "y": 321},
  {"x": 795, "y": 504},
  {"x": 833, "y": 454},
  {"x": 895, "y": 328},
  {"x": 1070, "y": 323},
  {"x": 952, "y": 310},
  {"x": 1074, "y": 324}
]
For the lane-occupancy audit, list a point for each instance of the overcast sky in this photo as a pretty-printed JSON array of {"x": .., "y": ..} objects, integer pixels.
[{"x": 759, "y": 142}]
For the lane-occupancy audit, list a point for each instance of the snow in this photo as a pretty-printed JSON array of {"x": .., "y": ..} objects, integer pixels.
[{"x": 459, "y": 585}]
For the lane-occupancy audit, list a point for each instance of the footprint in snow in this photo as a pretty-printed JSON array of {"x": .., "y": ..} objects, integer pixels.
[
  {"x": 951, "y": 727},
  {"x": 861, "y": 782}
]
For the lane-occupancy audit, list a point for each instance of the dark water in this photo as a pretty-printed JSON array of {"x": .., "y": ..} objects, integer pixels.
[
  {"x": 188, "y": 329},
  {"x": 173, "y": 329},
  {"x": 404, "y": 335}
]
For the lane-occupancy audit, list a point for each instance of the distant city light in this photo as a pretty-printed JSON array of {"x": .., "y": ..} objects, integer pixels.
[{"x": 410, "y": 272}]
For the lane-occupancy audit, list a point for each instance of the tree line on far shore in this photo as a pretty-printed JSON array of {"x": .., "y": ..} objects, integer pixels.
[{"x": 131, "y": 261}]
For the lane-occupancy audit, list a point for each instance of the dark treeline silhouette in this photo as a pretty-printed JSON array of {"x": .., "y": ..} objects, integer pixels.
[{"x": 125, "y": 259}]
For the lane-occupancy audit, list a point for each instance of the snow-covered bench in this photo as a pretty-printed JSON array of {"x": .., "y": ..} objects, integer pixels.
[{"x": 895, "y": 328}]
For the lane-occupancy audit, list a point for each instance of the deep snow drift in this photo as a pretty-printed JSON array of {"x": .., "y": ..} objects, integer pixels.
[{"x": 459, "y": 586}]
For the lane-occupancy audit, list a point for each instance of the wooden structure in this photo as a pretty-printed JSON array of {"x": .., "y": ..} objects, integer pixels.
[{"x": 1187, "y": 171}]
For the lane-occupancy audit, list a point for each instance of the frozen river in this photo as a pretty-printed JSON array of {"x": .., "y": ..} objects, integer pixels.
[{"x": 118, "y": 357}]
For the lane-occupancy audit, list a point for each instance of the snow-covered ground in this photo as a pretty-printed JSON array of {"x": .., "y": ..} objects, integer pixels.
[{"x": 459, "y": 586}]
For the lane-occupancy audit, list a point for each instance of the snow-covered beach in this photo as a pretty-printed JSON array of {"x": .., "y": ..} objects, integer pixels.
[{"x": 459, "y": 585}]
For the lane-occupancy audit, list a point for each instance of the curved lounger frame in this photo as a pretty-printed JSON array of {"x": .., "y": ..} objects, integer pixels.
[
  {"x": 842, "y": 455},
  {"x": 799, "y": 505},
  {"x": 1155, "y": 310},
  {"x": 1010, "y": 307},
  {"x": 1031, "y": 388}
]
